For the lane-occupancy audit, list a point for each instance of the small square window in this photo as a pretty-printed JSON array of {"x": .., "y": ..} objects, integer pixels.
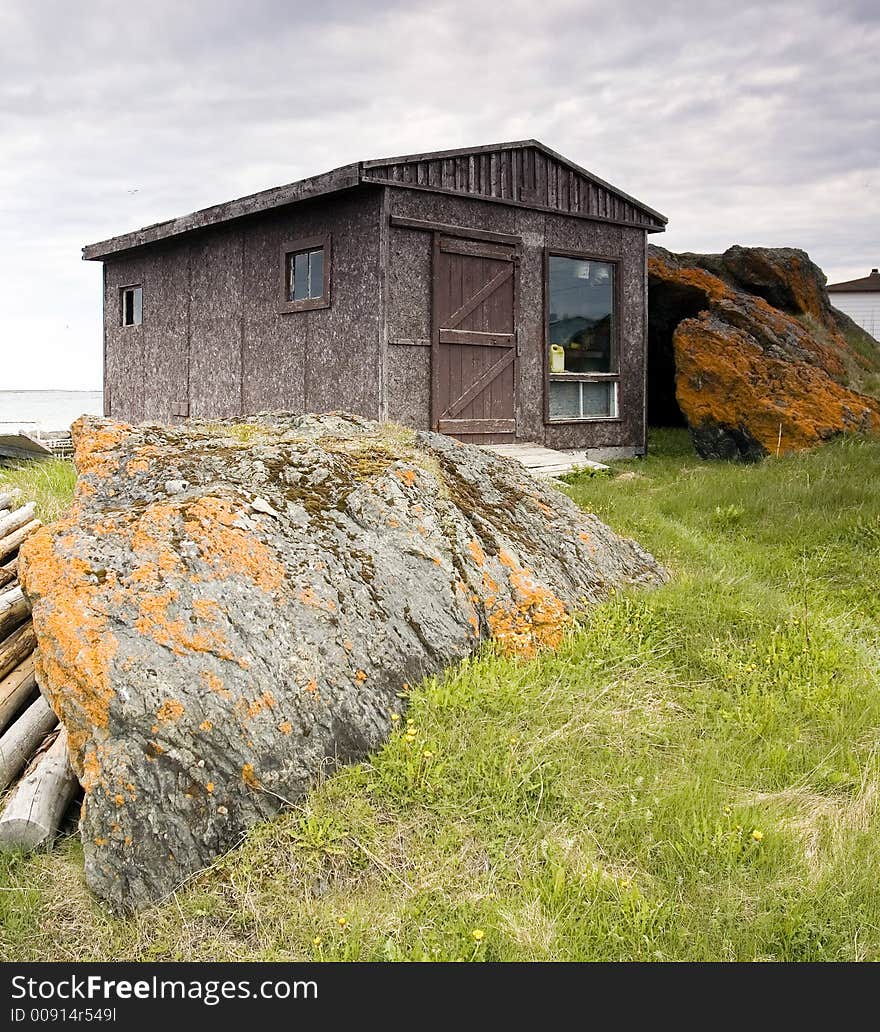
[
  {"x": 305, "y": 275},
  {"x": 131, "y": 306}
]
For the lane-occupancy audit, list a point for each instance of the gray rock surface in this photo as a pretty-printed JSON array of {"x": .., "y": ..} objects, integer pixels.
[{"x": 233, "y": 608}]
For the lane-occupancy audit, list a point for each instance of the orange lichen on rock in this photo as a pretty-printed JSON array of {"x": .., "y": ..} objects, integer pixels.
[
  {"x": 477, "y": 552},
  {"x": 750, "y": 378},
  {"x": 714, "y": 288},
  {"x": 140, "y": 463},
  {"x": 76, "y": 644},
  {"x": 215, "y": 684},
  {"x": 153, "y": 536},
  {"x": 722, "y": 375},
  {"x": 206, "y": 609},
  {"x": 178, "y": 634},
  {"x": 246, "y": 710},
  {"x": 249, "y": 777},
  {"x": 230, "y": 549},
  {"x": 507, "y": 559},
  {"x": 94, "y": 447},
  {"x": 534, "y": 618},
  {"x": 731, "y": 304},
  {"x": 90, "y": 770},
  {"x": 170, "y": 711}
]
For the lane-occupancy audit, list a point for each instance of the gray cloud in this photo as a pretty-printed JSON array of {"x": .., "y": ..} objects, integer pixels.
[{"x": 755, "y": 125}]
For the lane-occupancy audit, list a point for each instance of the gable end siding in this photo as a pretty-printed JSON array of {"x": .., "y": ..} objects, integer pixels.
[{"x": 516, "y": 175}]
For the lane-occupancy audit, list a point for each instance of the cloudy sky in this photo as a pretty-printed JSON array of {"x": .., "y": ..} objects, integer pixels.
[{"x": 751, "y": 123}]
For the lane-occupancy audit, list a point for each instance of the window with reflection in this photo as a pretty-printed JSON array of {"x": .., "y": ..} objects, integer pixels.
[
  {"x": 305, "y": 274},
  {"x": 131, "y": 307},
  {"x": 581, "y": 328}
]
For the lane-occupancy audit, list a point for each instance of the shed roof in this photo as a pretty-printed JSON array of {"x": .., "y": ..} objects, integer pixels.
[
  {"x": 868, "y": 283},
  {"x": 524, "y": 173}
]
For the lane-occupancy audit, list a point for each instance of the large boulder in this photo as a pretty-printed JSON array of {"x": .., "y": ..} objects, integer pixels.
[
  {"x": 233, "y": 608},
  {"x": 760, "y": 361}
]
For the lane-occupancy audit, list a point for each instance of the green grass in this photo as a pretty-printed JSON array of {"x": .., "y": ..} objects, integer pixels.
[
  {"x": 693, "y": 775},
  {"x": 49, "y": 484}
]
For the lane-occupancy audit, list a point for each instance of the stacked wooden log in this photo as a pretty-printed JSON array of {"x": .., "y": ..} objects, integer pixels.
[{"x": 33, "y": 749}]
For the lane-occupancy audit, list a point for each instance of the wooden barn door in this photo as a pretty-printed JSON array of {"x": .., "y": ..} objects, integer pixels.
[{"x": 474, "y": 346}]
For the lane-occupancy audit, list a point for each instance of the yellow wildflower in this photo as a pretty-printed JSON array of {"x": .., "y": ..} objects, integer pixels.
[{"x": 478, "y": 934}]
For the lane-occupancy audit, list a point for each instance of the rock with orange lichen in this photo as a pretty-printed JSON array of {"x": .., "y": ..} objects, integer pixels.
[
  {"x": 231, "y": 609},
  {"x": 748, "y": 349}
]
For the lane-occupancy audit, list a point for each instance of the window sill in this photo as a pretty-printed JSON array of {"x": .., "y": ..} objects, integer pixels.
[
  {"x": 583, "y": 419},
  {"x": 594, "y": 377},
  {"x": 308, "y": 305}
]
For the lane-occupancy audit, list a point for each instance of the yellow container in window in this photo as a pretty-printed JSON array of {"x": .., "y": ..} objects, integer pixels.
[{"x": 557, "y": 358}]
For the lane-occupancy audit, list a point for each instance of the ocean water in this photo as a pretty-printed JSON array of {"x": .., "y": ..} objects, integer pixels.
[{"x": 46, "y": 410}]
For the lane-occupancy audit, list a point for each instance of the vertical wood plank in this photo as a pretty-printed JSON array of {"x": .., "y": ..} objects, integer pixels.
[
  {"x": 541, "y": 177},
  {"x": 436, "y": 400},
  {"x": 384, "y": 260},
  {"x": 462, "y": 166}
]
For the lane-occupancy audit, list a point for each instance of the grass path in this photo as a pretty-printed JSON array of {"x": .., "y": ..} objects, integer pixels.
[{"x": 694, "y": 775}]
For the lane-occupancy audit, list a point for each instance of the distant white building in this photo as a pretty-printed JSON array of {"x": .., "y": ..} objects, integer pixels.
[{"x": 860, "y": 300}]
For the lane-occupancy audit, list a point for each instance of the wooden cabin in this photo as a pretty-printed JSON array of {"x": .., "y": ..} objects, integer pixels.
[{"x": 497, "y": 294}]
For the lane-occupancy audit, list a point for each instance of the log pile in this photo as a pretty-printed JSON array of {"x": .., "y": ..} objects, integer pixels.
[{"x": 33, "y": 750}]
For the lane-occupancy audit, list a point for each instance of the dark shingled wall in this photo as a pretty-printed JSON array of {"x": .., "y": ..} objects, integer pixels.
[{"x": 212, "y": 333}]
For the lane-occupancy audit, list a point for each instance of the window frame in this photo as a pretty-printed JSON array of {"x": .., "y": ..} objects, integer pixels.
[
  {"x": 614, "y": 377},
  {"x": 122, "y": 290},
  {"x": 298, "y": 246}
]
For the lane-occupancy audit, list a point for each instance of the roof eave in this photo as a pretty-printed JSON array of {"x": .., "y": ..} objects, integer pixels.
[
  {"x": 868, "y": 285},
  {"x": 343, "y": 178}
]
